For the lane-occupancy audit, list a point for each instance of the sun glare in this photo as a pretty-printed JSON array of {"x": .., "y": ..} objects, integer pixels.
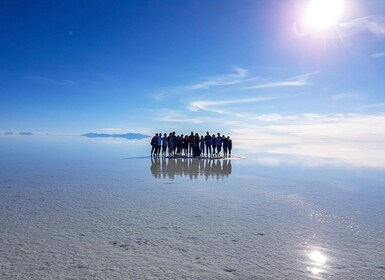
[{"x": 322, "y": 14}]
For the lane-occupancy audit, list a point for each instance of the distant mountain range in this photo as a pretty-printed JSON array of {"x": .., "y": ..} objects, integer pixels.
[{"x": 125, "y": 136}]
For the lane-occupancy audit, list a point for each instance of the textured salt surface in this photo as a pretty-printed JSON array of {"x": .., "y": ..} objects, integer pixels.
[{"x": 77, "y": 219}]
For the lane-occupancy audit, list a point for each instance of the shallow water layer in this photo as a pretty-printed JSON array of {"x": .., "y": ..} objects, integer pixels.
[{"x": 79, "y": 209}]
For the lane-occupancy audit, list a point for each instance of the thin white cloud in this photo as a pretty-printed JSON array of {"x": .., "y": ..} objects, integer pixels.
[
  {"x": 183, "y": 120},
  {"x": 347, "y": 96},
  {"x": 224, "y": 80},
  {"x": 48, "y": 81},
  {"x": 179, "y": 116},
  {"x": 376, "y": 55},
  {"x": 212, "y": 106},
  {"x": 297, "y": 81},
  {"x": 372, "y": 24},
  {"x": 372, "y": 106}
]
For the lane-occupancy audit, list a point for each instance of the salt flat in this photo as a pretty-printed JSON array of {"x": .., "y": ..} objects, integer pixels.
[{"x": 80, "y": 210}]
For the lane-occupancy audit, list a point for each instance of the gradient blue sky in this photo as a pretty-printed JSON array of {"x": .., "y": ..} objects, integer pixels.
[{"x": 230, "y": 66}]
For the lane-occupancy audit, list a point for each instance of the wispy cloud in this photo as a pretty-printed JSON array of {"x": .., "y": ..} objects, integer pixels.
[
  {"x": 296, "y": 81},
  {"x": 183, "y": 120},
  {"x": 347, "y": 96},
  {"x": 212, "y": 106},
  {"x": 372, "y": 106},
  {"x": 372, "y": 24},
  {"x": 179, "y": 116},
  {"x": 378, "y": 54},
  {"x": 223, "y": 80},
  {"x": 238, "y": 81},
  {"x": 48, "y": 81}
]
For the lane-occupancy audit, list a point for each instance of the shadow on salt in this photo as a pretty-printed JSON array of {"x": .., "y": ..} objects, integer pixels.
[{"x": 171, "y": 168}]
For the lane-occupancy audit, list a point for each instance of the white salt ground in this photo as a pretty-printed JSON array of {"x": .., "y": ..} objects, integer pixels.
[{"x": 76, "y": 219}]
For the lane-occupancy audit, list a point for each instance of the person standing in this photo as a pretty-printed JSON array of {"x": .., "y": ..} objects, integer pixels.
[
  {"x": 154, "y": 143},
  {"x": 219, "y": 144},
  {"x": 213, "y": 143},
  {"x": 208, "y": 143},
  {"x": 225, "y": 145},
  {"x": 202, "y": 145},
  {"x": 174, "y": 140},
  {"x": 196, "y": 151},
  {"x": 185, "y": 145},
  {"x": 164, "y": 145},
  {"x": 170, "y": 144},
  {"x": 159, "y": 144},
  {"x": 229, "y": 145},
  {"x": 191, "y": 142}
]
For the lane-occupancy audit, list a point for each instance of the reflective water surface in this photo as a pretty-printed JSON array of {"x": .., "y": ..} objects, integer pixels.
[{"x": 83, "y": 209}]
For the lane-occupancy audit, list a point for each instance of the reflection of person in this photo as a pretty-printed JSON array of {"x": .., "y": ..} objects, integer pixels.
[
  {"x": 155, "y": 167},
  {"x": 193, "y": 168}
]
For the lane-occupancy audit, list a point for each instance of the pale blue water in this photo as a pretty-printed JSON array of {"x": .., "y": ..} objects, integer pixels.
[{"x": 73, "y": 208}]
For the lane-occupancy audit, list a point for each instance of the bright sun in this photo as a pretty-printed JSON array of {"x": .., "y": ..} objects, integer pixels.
[{"x": 322, "y": 14}]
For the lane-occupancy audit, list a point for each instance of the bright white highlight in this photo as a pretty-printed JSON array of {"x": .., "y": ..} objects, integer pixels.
[
  {"x": 322, "y": 14},
  {"x": 318, "y": 257}
]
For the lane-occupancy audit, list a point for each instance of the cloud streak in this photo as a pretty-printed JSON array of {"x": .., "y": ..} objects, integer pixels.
[
  {"x": 209, "y": 105},
  {"x": 372, "y": 24},
  {"x": 297, "y": 81},
  {"x": 378, "y": 54},
  {"x": 224, "y": 80}
]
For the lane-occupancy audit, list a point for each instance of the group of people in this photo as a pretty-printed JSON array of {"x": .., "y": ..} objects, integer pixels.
[{"x": 191, "y": 145}]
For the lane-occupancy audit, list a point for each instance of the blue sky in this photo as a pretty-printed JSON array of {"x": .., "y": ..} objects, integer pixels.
[{"x": 238, "y": 67}]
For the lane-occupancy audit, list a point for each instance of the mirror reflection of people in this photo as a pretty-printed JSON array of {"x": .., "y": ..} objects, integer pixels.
[{"x": 188, "y": 167}]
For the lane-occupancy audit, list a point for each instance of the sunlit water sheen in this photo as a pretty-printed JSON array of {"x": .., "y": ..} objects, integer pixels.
[{"x": 83, "y": 209}]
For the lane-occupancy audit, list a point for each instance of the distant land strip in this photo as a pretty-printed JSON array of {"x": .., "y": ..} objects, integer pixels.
[{"x": 125, "y": 136}]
